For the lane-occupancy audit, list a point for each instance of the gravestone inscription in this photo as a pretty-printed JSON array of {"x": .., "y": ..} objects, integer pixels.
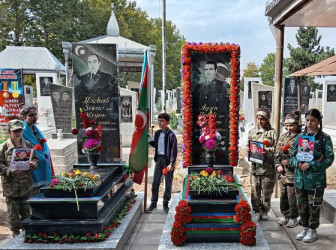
[
  {"x": 61, "y": 101},
  {"x": 97, "y": 93}
]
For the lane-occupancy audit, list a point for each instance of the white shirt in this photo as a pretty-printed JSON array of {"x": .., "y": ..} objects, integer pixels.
[{"x": 161, "y": 148}]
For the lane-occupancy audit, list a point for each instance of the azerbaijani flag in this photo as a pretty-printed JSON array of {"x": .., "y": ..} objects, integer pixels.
[{"x": 138, "y": 158}]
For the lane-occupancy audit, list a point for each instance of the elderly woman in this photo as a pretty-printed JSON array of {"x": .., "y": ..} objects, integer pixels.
[
  {"x": 42, "y": 175},
  {"x": 263, "y": 175}
]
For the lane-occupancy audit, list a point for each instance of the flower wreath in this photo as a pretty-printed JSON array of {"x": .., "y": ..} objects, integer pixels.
[
  {"x": 182, "y": 217},
  {"x": 209, "y": 48}
]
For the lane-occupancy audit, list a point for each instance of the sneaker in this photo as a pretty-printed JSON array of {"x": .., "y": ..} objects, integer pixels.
[
  {"x": 264, "y": 216},
  {"x": 310, "y": 236},
  {"x": 292, "y": 223},
  {"x": 302, "y": 234},
  {"x": 151, "y": 208},
  {"x": 283, "y": 221},
  {"x": 15, "y": 233},
  {"x": 165, "y": 208}
]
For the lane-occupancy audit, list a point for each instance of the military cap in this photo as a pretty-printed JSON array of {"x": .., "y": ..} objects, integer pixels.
[{"x": 14, "y": 125}]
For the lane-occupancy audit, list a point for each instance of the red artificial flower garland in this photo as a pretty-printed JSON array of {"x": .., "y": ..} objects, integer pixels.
[
  {"x": 183, "y": 216},
  {"x": 234, "y": 51}
]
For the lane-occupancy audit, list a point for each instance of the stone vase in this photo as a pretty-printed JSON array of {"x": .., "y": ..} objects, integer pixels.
[
  {"x": 93, "y": 158},
  {"x": 210, "y": 158}
]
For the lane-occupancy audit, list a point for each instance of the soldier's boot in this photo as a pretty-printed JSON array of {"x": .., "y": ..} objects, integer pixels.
[
  {"x": 292, "y": 223},
  {"x": 310, "y": 236},
  {"x": 283, "y": 221},
  {"x": 264, "y": 216},
  {"x": 302, "y": 234}
]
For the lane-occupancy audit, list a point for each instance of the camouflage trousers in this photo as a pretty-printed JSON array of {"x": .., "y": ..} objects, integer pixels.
[
  {"x": 288, "y": 205},
  {"x": 309, "y": 203},
  {"x": 261, "y": 192},
  {"x": 17, "y": 210}
]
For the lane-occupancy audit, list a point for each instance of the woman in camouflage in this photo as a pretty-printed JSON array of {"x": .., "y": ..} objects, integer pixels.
[
  {"x": 310, "y": 177},
  {"x": 263, "y": 175},
  {"x": 288, "y": 204}
]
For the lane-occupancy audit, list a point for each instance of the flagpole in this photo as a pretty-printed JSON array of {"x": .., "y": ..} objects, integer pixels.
[{"x": 146, "y": 183}]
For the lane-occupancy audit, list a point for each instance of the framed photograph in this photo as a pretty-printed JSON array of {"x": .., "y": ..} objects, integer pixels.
[
  {"x": 21, "y": 158},
  {"x": 256, "y": 152},
  {"x": 306, "y": 147},
  {"x": 45, "y": 85}
]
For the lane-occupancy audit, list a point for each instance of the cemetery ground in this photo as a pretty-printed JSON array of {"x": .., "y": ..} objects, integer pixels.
[{"x": 151, "y": 225}]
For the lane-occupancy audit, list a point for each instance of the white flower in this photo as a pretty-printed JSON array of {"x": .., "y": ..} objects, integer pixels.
[{"x": 218, "y": 136}]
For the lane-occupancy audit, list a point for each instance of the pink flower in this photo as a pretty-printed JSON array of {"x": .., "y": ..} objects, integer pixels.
[
  {"x": 54, "y": 181},
  {"x": 91, "y": 143},
  {"x": 201, "y": 139},
  {"x": 210, "y": 144},
  {"x": 209, "y": 170},
  {"x": 89, "y": 133}
]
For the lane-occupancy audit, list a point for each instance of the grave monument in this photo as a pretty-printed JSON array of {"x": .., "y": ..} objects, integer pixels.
[
  {"x": 329, "y": 103},
  {"x": 248, "y": 104}
]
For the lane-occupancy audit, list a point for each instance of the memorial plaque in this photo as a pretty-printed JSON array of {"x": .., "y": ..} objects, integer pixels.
[
  {"x": 305, "y": 95},
  {"x": 61, "y": 101},
  {"x": 319, "y": 95},
  {"x": 331, "y": 93},
  {"x": 97, "y": 93},
  {"x": 178, "y": 100},
  {"x": 290, "y": 96},
  {"x": 126, "y": 109},
  {"x": 210, "y": 93},
  {"x": 265, "y": 100}
]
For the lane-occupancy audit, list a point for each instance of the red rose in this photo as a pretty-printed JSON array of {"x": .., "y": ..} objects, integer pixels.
[
  {"x": 165, "y": 171},
  {"x": 266, "y": 143},
  {"x": 43, "y": 140},
  {"x": 74, "y": 131},
  {"x": 38, "y": 147}
]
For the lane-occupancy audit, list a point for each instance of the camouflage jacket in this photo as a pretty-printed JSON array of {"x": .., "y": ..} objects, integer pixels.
[
  {"x": 285, "y": 139},
  {"x": 260, "y": 135},
  {"x": 315, "y": 176},
  {"x": 12, "y": 185}
]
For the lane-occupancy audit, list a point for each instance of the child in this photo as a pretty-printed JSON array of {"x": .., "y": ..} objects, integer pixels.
[
  {"x": 263, "y": 175},
  {"x": 16, "y": 185},
  {"x": 310, "y": 177},
  {"x": 288, "y": 204}
]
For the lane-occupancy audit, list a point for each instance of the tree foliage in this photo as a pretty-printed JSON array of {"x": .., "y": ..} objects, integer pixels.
[
  {"x": 267, "y": 69},
  {"x": 307, "y": 53},
  {"x": 48, "y": 23}
]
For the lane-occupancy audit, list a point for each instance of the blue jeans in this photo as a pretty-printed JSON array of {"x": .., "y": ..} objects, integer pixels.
[{"x": 159, "y": 165}]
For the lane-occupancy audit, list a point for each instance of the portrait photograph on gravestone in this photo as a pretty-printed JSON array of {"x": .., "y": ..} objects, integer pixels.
[
  {"x": 305, "y": 94},
  {"x": 265, "y": 100},
  {"x": 45, "y": 85},
  {"x": 210, "y": 92},
  {"x": 126, "y": 109},
  {"x": 290, "y": 96},
  {"x": 319, "y": 95},
  {"x": 331, "y": 93},
  {"x": 61, "y": 101},
  {"x": 97, "y": 93},
  {"x": 249, "y": 91}
]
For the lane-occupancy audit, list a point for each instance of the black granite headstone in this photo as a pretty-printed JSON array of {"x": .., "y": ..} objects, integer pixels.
[
  {"x": 178, "y": 100},
  {"x": 265, "y": 100},
  {"x": 97, "y": 93},
  {"x": 331, "y": 93},
  {"x": 45, "y": 82},
  {"x": 212, "y": 96},
  {"x": 61, "y": 100},
  {"x": 290, "y": 96},
  {"x": 126, "y": 109},
  {"x": 305, "y": 94}
]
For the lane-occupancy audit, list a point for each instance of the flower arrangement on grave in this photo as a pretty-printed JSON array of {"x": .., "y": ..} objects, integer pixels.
[
  {"x": 210, "y": 180},
  {"x": 45, "y": 238},
  {"x": 248, "y": 227},
  {"x": 92, "y": 137},
  {"x": 210, "y": 137},
  {"x": 209, "y": 48},
  {"x": 73, "y": 181},
  {"x": 182, "y": 217},
  {"x": 46, "y": 112}
]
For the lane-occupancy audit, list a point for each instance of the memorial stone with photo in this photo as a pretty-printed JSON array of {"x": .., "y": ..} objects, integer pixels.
[
  {"x": 329, "y": 102},
  {"x": 248, "y": 105},
  {"x": 178, "y": 101},
  {"x": 262, "y": 98},
  {"x": 61, "y": 100},
  {"x": 265, "y": 100},
  {"x": 97, "y": 93},
  {"x": 45, "y": 82},
  {"x": 305, "y": 96},
  {"x": 331, "y": 93},
  {"x": 126, "y": 109},
  {"x": 290, "y": 96}
]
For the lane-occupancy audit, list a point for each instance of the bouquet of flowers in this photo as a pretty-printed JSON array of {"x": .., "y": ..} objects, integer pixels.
[
  {"x": 92, "y": 137},
  {"x": 248, "y": 233},
  {"x": 182, "y": 217},
  {"x": 210, "y": 136},
  {"x": 209, "y": 180},
  {"x": 242, "y": 210}
]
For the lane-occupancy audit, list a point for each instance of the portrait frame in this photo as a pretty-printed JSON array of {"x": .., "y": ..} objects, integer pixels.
[
  {"x": 18, "y": 163},
  {"x": 45, "y": 90},
  {"x": 258, "y": 156},
  {"x": 331, "y": 92},
  {"x": 210, "y": 48},
  {"x": 305, "y": 153}
]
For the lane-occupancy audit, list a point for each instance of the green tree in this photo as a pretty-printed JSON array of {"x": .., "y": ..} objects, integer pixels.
[
  {"x": 306, "y": 54},
  {"x": 267, "y": 69}
]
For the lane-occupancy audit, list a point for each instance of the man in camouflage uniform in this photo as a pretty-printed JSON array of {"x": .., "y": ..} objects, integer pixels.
[
  {"x": 16, "y": 184},
  {"x": 288, "y": 204},
  {"x": 263, "y": 175},
  {"x": 310, "y": 178}
]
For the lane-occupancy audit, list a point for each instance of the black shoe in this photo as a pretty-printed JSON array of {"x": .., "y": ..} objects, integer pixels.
[
  {"x": 151, "y": 208},
  {"x": 165, "y": 208}
]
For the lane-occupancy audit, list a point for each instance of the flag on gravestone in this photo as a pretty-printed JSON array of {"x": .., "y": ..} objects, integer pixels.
[{"x": 138, "y": 159}]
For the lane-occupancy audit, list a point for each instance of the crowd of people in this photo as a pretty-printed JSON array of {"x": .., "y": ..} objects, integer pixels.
[{"x": 302, "y": 184}]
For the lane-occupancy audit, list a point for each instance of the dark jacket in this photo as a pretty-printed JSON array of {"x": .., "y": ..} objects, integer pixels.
[{"x": 170, "y": 146}]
